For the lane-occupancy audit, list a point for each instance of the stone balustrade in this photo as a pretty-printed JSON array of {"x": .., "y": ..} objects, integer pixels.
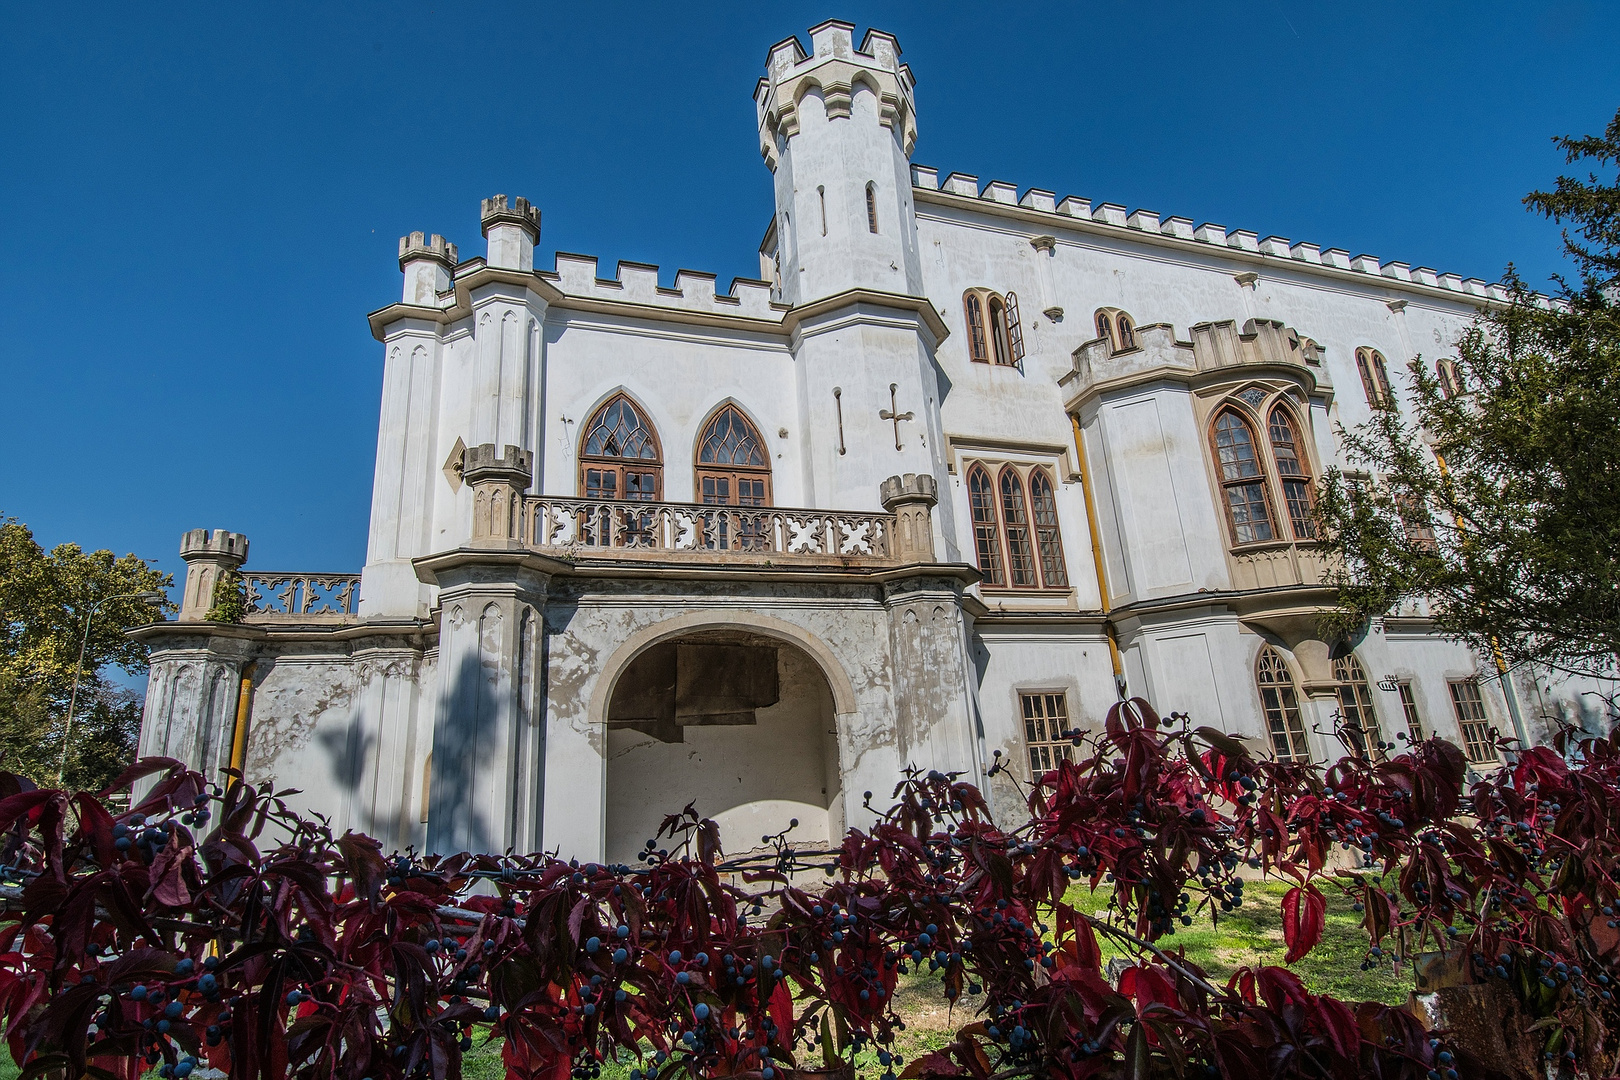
[
  {"x": 1280, "y": 566},
  {"x": 301, "y": 597},
  {"x": 585, "y": 527}
]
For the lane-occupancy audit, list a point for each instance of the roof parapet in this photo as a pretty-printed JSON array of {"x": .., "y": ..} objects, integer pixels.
[{"x": 926, "y": 178}]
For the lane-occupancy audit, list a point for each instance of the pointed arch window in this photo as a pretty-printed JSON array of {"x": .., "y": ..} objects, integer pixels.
[
  {"x": 1374, "y": 378},
  {"x": 1048, "y": 539},
  {"x": 986, "y": 529},
  {"x": 995, "y": 333},
  {"x": 732, "y": 466},
  {"x": 1279, "y": 700},
  {"x": 1117, "y": 328},
  {"x": 1015, "y": 526},
  {"x": 1450, "y": 376},
  {"x": 871, "y": 208},
  {"x": 978, "y": 340},
  {"x": 1243, "y": 481},
  {"x": 1015, "y": 515},
  {"x": 1288, "y": 452},
  {"x": 1127, "y": 332},
  {"x": 1358, "y": 721},
  {"x": 619, "y": 456}
]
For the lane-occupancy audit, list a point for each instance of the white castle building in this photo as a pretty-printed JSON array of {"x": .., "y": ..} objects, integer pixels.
[{"x": 960, "y": 469}]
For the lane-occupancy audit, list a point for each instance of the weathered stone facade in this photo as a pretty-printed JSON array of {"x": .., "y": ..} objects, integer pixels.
[{"x": 1018, "y": 425}]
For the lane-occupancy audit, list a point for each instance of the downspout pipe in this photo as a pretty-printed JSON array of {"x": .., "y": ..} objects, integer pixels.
[{"x": 1097, "y": 558}]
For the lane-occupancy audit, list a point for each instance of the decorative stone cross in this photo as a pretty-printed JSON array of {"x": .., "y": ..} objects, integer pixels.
[{"x": 892, "y": 415}]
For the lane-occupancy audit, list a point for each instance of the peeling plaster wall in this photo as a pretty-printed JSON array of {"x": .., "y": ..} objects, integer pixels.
[{"x": 589, "y": 621}]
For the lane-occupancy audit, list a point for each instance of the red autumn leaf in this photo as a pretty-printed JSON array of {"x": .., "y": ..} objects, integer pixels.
[{"x": 1303, "y": 913}]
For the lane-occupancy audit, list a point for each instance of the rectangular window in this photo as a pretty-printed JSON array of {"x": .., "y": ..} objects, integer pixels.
[
  {"x": 1414, "y": 722},
  {"x": 1478, "y": 743},
  {"x": 1046, "y": 719}
]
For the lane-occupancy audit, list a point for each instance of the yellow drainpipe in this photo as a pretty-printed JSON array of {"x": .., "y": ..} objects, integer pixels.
[
  {"x": 1097, "y": 554},
  {"x": 244, "y": 699}
]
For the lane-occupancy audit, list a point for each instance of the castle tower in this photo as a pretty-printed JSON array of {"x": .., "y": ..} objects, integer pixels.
[{"x": 836, "y": 128}]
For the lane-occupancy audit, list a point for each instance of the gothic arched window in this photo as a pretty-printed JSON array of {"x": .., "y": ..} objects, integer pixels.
[
  {"x": 1015, "y": 516},
  {"x": 1295, "y": 475},
  {"x": 1127, "y": 332},
  {"x": 732, "y": 466},
  {"x": 1280, "y": 702},
  {"x": 619, "y": 457},
  {"x": 1048, "y": 540},
  {"x": 871, "y": 208},
  {"x": 1356, "y": 716},
  {"x": 986, "y": 529},
  {"x": 1374, "y": 378},
  {"x": 1450, "y": 376},
  {"x": 995, "y": 335},
  {"x": 978, "y": 340},
  {"x": 1105, "y": 330},
  {"x": 1243, "y": 481}
]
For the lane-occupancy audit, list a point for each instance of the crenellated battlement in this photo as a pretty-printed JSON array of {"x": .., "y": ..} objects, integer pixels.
[
  {"x": 637, "y": 283},
  {"x": 1115, "y": 216},
  {"x": 517, "y": 211},
  {"x": 418, "y": 246},
  {"x": 833, "y": 66}
]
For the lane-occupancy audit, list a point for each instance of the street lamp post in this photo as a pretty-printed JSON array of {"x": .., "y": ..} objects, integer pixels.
[{"x": 151, "y": 597}]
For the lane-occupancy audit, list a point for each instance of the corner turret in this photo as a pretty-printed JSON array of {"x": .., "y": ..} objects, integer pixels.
[
  {"x": 512, "y": 230},
  {"x": 836, "y": 127},
  {"x": 428, "y": 263},
  {"x": 209, "y": 554}
]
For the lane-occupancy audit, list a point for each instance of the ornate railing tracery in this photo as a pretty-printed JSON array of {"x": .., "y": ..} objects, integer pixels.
[
  {"x": 286, "y": 596},
  {"x": 588, "y": 526}
]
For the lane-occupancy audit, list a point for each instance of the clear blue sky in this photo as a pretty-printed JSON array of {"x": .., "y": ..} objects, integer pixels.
[{"x": 199, "y": 205}]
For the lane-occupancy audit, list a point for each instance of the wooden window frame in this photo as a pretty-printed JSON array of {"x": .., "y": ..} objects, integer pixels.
[
  {"x": 1366, "y": 734},
  {"x": 978, "y": 334},
  {"x": 995, "y": 330},
  {"x": 1473, "y": 723},
  {"x": 1127, "y": 332},
  {"x": 619, "y": 466},
  {"x": 986, "y": 526},
  {"x": 1301, "y": 522},
  {"x": 1409, "y": 712},
  {"x": 1018, "y": 535},
  {"x": 1048, "y": 536},
  {"x": 734, "y": 475},
  {"x": 1048, "y": 569},
  {"x": 1105, "y": 329},
  {"x": 1046, "y": 744},
  {"x": 1374, "y": 378},
  {"x": 1279, "y": 704},
  {"x": 1261, "y": 479}
]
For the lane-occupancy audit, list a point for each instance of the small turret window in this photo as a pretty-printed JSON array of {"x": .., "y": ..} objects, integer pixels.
[
  {"x": 995, "y": 334},
  {"x": 871, "y": 208},
  {"x": 1374, "y": 378},
  {"x": 1116, "y": 328}
]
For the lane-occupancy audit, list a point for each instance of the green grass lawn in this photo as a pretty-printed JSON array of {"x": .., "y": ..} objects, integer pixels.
[{"x": 1252, "y": 935}]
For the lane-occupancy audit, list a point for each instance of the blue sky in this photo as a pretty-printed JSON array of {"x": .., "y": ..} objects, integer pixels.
[{"x": 199, "y": 205}]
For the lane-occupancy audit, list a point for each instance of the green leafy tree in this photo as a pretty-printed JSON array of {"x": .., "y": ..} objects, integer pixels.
[
  {"x": 1498, "y": 504},
  {"x": 44, "y": 599}
]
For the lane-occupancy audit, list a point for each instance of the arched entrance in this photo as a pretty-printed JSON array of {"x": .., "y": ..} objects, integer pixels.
[{"x": 738, "y": 723}]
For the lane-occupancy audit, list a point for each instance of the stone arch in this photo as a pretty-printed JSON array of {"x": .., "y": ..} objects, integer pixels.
[{"x": 838, "y": 680}]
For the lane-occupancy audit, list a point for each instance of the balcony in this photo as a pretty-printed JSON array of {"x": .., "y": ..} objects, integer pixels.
[
  {"x": 1280, "y": 565},
  {"x": 301, "y": 598},
  {"x": 731, "y": 535}
]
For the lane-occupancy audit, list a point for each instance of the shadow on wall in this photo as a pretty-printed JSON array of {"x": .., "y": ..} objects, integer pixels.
[{"x": 460, "y": 733}]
